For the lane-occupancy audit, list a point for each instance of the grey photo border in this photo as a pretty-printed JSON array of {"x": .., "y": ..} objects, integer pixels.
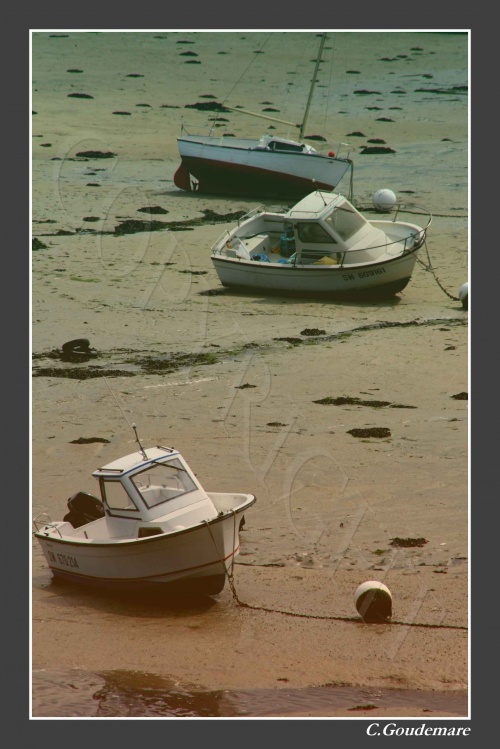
[{"x": 19, "y": 726}]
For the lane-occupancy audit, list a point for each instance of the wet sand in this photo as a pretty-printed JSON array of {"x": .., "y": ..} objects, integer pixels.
[{"x": 328, "y": 503}]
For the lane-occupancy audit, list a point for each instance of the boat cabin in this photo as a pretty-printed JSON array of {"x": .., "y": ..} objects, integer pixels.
[
  {"x": 325, "y": 226},
  {"x": 274, "y": 143},
  {"x": 156, "y": 485}
]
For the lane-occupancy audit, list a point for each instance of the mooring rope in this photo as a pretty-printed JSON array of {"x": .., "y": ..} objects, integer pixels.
[
  {"x": 229, "y": 575},
  {"x": 357, "y": 620},
  {"x": 430, "y": 268},
  {"x": 337, "y": 618},
  {"x": 369, "y": 207}
]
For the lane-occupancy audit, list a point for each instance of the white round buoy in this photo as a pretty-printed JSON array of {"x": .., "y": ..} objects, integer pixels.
[
  {"x": 373, "y": 602},
  {"x": 384, "y": 200},
  {"x": 463, "y": 295}
]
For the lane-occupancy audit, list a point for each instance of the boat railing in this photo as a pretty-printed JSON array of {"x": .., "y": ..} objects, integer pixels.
[
  {"x": 337, "y": 148},
  {"x": 235, "y": 243},
  {"x": 220, "y": 241},
  {"x": 43, "y": 520},
  {"x": 410, "y": 244},
  {"x": 225, "y": 233},
  {"x": 412, "y": 208},
  {"x": 251, "y": 213}
]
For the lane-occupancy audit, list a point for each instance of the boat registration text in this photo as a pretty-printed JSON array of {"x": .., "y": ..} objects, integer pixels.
[
  {"x": 63, "y": 559},
  {"x": 363, "y": 274}
]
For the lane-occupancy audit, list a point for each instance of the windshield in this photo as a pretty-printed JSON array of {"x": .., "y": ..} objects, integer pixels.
[
  {"x": 345, "y": 221},
  {"x": 314, "y": 233},
  {"x": 160, "y": 482}
]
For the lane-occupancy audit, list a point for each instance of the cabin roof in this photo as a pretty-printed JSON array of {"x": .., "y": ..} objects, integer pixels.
[
  {"x": 135, "y": 461},
  {"x": 315, "y": 205}
]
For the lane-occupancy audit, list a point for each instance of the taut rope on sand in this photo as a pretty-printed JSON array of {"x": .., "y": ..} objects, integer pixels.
[
  {"x": 357, "y": 620},
  {"x": 431, "y": 270}
]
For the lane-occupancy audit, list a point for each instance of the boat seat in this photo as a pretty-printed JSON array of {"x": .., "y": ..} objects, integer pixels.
[{"x": 257, "y": 244}]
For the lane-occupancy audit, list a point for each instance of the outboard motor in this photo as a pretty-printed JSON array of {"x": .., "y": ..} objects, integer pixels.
[{"x": 83, "y": 508}]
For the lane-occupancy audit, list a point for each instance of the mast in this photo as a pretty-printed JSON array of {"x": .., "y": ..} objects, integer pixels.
[{"x": 313, "y": 83}]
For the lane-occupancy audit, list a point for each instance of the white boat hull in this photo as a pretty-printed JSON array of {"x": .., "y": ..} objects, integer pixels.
[
  {"x": 321, "y": 247},
  {"x": 380, "y": 280},
  {"x": 235, "y": 166},
  {"x": 194, "y": 559}
]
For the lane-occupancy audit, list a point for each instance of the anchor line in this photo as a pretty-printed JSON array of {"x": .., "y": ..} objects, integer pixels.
[
  {"x": 229, "y": 574},
  {"x": 357, "y": 620},
  {"x": 431, "y": 270},
  {"x": 369, "y": 207}
]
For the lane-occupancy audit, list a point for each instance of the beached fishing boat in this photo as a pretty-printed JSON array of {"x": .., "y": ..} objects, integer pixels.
[
  {"x": 268, "y": 167},
  {"x": 153, "y": 526},
  {"x": 322, "y": 246}
]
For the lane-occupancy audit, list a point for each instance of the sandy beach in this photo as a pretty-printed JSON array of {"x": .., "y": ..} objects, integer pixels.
[{"x": 173, "y": 350}]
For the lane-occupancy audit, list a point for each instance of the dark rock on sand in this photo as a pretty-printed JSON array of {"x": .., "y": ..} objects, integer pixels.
[
  {"x": 152, "y": 209},
  {"x": 376, "y": 149},
  {"x": 37, "y": 245},
  {"x": 407, "y": 543},
  {"x": 96, "y": 154},
  {"x": 88, "y": 440},
  {"x": 453, "y": 90},
  {"x": 207, "y": 106},
  {"x": 312, "y": 331},
  {"x": 132, "y": 226},
  {"x": 315, "y": 137},
  {"x": 378, "y": 432}
]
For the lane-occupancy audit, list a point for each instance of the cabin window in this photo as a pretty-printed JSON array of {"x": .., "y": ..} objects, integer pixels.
[
  {"x": 277, "y": 146},
  {"x": 116, "y": 497},
  {"x": 313, "y": 232},
  {"x": 345, "y": 221},
  {"x": 160, "y": 482}
]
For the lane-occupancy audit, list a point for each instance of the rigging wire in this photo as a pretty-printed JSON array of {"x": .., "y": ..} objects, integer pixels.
[
  {"x": 325, "y": 125},
  {"x": 117, "y": 403},
  {"x": 299, "y": 65},
  {"x": 239, "y": 79},
  {"x": 247, "y": 67}
]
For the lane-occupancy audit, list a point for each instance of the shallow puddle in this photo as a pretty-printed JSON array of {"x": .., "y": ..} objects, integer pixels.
[{"x": 136, "y": 694}]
